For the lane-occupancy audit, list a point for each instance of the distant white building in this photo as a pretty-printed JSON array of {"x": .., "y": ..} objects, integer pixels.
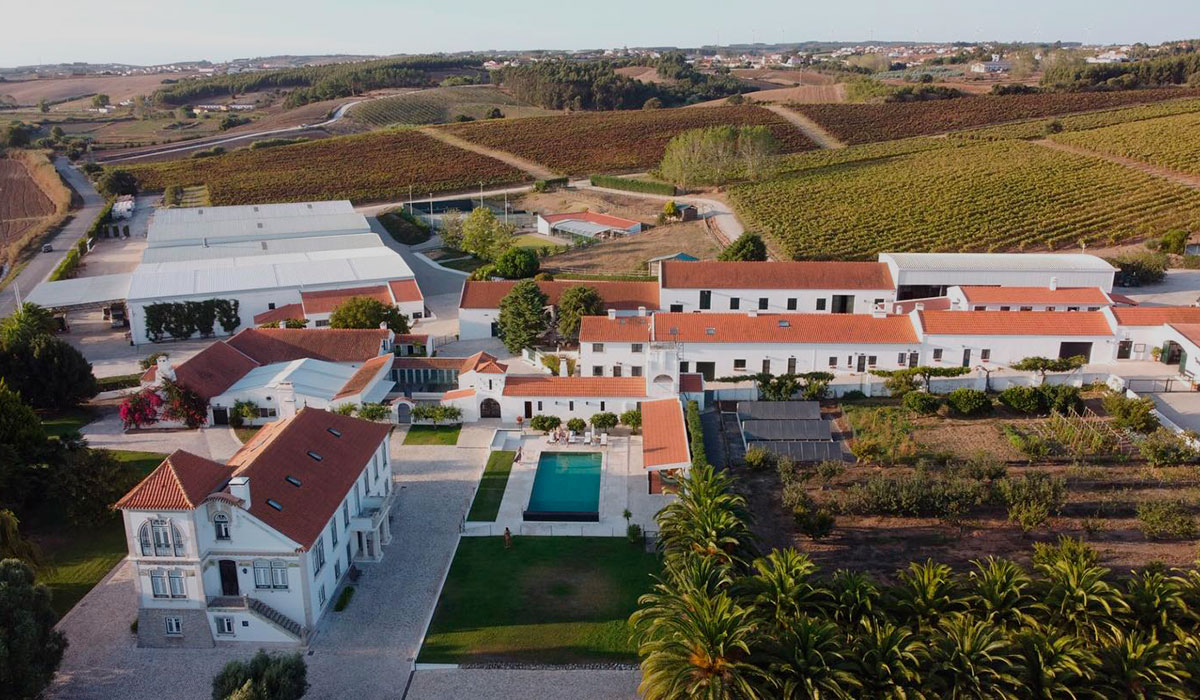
[
  {"x": 123, "y": 206},
  {"x": 587, "y": 224}
]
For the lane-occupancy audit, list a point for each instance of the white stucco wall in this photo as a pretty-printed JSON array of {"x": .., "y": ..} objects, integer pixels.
[{"x": 777, "y": 299}]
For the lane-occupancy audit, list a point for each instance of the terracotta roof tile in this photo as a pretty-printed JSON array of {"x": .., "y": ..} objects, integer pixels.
[
  {"x": 268, "y": 345},
  {"x": 280, "y": 314},
  {"x": 181, "y": 482},
  {"x": 1093, "y": 296},
  {"x": 623, "y": 296},
  {"x": 1156, "y": 315},
  {"x": 1191, "y": 331},
  {"x": 483, "y": 363},
  {"x": 326, "y": 300},
  {"x": 214, "y": 369},
  {"x": 281, "y": 449},
  {"x": 592, "y": 217},
  {"x": 714, "y": 274},
  {"x": 458, "y": 394},
  {"x": 1033, "y": 323},
  {"x": 782, "y": 328},
  {"x": 664, "y": 438},
  {"x": 538, "y": 385},
  {"x": 405, "y": 290},
  {"x": 622, "y": 329},
  {"x": 366, "y": 374}
]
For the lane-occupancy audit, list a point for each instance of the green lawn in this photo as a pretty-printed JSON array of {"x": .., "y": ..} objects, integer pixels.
[
  {"x": 432, "y": 435},
  {"x": 550, "y": 600},
  {"x": 464, "y": 264},
  {"x": 245, "y": 433},
  {"x": 79, "y": 557},
  {"x": 535, "y": 242},
  {"x": 120, "y": 381},
  {"x": 491, "y": 486},
  {"x": 64, "y": 422}
]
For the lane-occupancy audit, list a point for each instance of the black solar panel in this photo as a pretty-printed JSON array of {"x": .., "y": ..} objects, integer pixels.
[
  {"x": 787, "y": 430},
  {"x": 802, "y": 451},
  {"x": 778, "y": 410}
]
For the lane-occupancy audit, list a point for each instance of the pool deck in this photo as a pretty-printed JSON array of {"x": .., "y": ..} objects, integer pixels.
[{"x": 623, "y": 485}]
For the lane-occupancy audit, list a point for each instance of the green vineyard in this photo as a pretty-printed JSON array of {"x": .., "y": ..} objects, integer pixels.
[
  {"x": 1170, "y": 142},
  {"x": 991, "y": 196},
  {"x": 1081, "y": 122},
  {"x": 441, "y": 105}
]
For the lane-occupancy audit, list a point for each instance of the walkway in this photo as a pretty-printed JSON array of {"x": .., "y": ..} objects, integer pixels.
[
  {"x": 523, "y": 685},
  {"x": 534, "y": 170},
  {"x": 1185, "y": 179},
  {"x": 814, "y": 131},
  {"x": 106, "y": 432}
]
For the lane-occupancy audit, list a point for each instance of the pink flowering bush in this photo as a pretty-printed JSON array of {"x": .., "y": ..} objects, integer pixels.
[{"x": 141, "y": 409}]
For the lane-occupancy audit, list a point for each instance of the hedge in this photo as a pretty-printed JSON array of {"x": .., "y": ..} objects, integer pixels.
[
  {"x": 405, "y": 228},
  {"x": 549, "y": 184},
  {"x": 181, "y": 320},
  {"x": 75, "y": 255},
  {"x": 624, "y": 183},
  {"x": 121, "y": 381},
  {"x": 696, "y": 434}
]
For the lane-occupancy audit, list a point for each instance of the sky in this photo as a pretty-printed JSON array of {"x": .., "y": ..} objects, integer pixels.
[{"x": 150, "y": 32}]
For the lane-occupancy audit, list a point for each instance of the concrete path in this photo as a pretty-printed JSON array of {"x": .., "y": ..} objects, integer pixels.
[
  {"x": 524, "y": 685},
  {"x": 366, "y": 651},
  {"x": 42, "y": 264},
  {"x": 534, "y": 170},
  {"x": 1178, "y": 288},
  {"x": 814, "y": 131},
  {"x": 214, "y": 443}
]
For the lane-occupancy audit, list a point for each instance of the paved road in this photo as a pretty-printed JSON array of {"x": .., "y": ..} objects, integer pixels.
[{"x": 42, "y": 264}]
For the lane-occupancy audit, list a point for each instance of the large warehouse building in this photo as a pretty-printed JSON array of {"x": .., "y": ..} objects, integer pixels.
[{"x": 262, "y": 256}]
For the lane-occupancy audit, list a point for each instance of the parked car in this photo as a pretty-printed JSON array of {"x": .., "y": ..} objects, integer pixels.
[{"x": 46, "y": 248}]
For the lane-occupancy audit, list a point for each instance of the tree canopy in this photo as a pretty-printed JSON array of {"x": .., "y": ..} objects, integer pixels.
[
  {"x": 263, "y": 677},
  {"x": 748, "y": 246},
  {"x": 30, "y": 647},
  {"x": 1043, "y": 365},
  {"x": 516, "y": 263},
  {"x": 47, "y": 372},
  {"x": 573, "y": 305},
  {"x": 715, "y": 155},
  {"x": 486, "y": 236},
  {"x": 117, "y": 182},
  {"x": 365, "y": 312},
  {"x": 523, "y": 315}
]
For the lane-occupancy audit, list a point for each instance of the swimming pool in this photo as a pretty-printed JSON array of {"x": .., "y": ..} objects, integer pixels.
[{"x": 566, "y": 487}]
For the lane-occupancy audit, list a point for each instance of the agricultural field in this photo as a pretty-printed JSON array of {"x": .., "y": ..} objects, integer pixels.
[
  {"x": 362, "y": 168},
  {"x": 864, "y": 123},
  {"x": 1040, "y": 128},
  {"x": 117, "y": 87},
  {"x": 626, "y": 141},
  {"x": 141, "y": 132},
  {"x": 628, "y": 256},
  {"x": 799, "y": 94},
  {"x": 813, "y": 160},
  {"x": 949, "y": 493},
  {"x": 1168, "y": 142},
  {"x": 32, "y": 198},
  {"x": 1008, "y": 195},
  {"x": 442, "y": 105}
]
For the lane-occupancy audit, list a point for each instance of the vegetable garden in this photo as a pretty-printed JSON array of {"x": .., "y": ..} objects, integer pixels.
[
  {"x": 591, "y": 142},
  {"x": 366, "y": 167},
  {"x": 985, "y": 197},
  {"x": 864, "y": 123},
  {"x": 1169, "y": 142}
]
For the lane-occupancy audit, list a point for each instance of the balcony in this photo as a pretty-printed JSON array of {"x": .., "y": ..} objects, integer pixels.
[{"x": 373, "y": 512}]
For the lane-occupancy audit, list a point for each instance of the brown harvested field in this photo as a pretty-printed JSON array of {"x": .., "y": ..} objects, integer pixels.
[
  {"x": 806, "y": 94},
  {"x": 1100, "y": 507},
  {"x": 117, "y": 87},
  {"x": 604, "y": 142},
  {"x": 32, "y": 198},
  {"x": 628, "y": 256},
  {"x": 784, "y": 77}
]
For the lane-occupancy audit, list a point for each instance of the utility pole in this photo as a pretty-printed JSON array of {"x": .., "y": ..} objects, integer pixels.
[
  {"x": 506, "y": 207},
  {"x": 481, "y": 194}
]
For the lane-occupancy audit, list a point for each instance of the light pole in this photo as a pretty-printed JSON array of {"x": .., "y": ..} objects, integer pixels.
[
  {"x": 430, "y": 205},
  {"x": 481, "y": 194}
]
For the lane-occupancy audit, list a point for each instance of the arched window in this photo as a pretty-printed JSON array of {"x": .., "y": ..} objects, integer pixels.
[
  {"x": 177, "y": 538},
  {"x": 221, "y": 526},
  {"x": 144, "y": 539}
]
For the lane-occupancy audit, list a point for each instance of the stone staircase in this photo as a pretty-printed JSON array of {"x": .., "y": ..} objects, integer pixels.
[{"x": 277, "y": 618}]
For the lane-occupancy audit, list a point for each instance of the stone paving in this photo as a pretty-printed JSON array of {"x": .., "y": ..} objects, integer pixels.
[
  {"x": 106, "y": 432},
  {"x": 523, "y": 685},
  {"x": 365, "y": 652}
]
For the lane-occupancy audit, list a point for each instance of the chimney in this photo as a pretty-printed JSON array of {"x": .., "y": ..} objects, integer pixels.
[
  {"x": 1053, "y": 283},
  {"x": 879, "y": 311},
  {"x": 919, "y": 306},
  {"x": 163, "y": 368},
  {"x": 612, "y": 313},
  {"x": 752, "y": 314},
  {"x": 562, "y": 366},
  {"x": 641, "y": 311},
  {"x": 239, "y": 486}
]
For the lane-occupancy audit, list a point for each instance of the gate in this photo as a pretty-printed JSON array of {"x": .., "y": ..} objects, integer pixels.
[{"x": 1162, "y": 385}]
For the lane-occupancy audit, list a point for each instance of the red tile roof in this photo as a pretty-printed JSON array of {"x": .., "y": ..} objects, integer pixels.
[
  {"x": 267, "y": 345},
  {"x": 281, "y": 449},
  {"x": 622, "y": 329},
  {"x": 326, "y": 300},
  {"x": 402, "y": 338},
  {"x": 484, "y": 363},
  {"x": 1093, "y": 296},
  {"x": 592, "y": 217},
  {"x": 280, "y": 314},
  {"x": 623, "y": 296},
  {"x": 405, "y": 290},
  {"x": 782, "y": 328},
  {"x": 664, "y": 439},
  {"x": 1191, "y": 331},
  {"x": 181, "y": 482},
  {"x": 214, "y": 369},
  {"x": 458, "y": 394},
  {"x": 537, "y": 385},
  {"x": 1156, "y": 315},
  {"x": 1032, "y": 323},
  {"x": 691, "y": 383},
  {"x": 366, "y": 374},
  {"x": 714, "y": 274}
]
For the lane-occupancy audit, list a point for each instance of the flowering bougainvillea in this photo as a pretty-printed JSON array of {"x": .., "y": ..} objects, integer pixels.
[
  {"x": 141, "y": 409},
  {"x": 183, "y": 405}
]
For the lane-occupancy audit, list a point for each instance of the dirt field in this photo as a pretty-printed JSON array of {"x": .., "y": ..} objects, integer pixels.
[
  {"x": 572, "y": 200},
  {"x": 644, "y": 74},
  {"x": 117, "y": 87},
  {"x": 628, "y": 256},
  {"x": 784, "y": 77},
  {"x": 22, "y": 203}
]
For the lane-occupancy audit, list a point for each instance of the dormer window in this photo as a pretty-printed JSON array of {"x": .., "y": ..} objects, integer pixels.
[
  {"x": 221, "y": 526},
  {"x": 275, "y": 504}
]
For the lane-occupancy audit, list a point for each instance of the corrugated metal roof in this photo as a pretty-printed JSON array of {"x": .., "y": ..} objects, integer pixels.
[
  {"x": 308, "y": 377},
  {"x": 225, "y": 250},
  {"x": 248, "y": 211},
  {"x": 995, "y": 262},
  {"x": 81, "y": 291},
  {"x": 198, "y": 232},
  {"x": 582, "y": 228}
]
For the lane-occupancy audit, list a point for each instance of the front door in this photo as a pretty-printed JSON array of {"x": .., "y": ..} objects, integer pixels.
[
  {"x": 966, "y": 357},
  {"x": 861, "y": 365},
  {"x": 528, "y": 410},
  {"x": 220, "y": 416},
  {"x": 229, "y": 580},
  {"x": 843, "y": 304},
  {"x": 495, "y": 329},
  {"x": 1124, "y": 349}
]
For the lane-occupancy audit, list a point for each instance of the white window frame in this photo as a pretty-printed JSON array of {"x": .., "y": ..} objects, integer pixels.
[
  {"x": 221, "y": 526},
  {"x": 225, "y": 626},
  {"x": 174, "y": 578},
  {"x": 279, "y": 575},
  {"x": 174, "y": 625},
  {"x": 158, "y": 584},
  {"x": 262, "y": 574}
]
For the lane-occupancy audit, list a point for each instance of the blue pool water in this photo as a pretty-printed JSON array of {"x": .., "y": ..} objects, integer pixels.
[{"x": 567, "y": 484}]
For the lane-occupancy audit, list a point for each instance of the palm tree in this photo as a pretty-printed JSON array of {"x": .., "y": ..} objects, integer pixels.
[
  {"x": 707, "y": 517},
  {"x": 855, "y": 597},
  {"x": 780, "y": 586},
  {"x": 806, "y": 661},
  {"x": 1052, "y": 665},
  {"x": 971, "y": 659},
  {"x": 889, "y": 660},
  {"x": 1140, "y": 667},
  {"x": 1156, "y": 603},
  {"x": 12, "y": 544},
  {"x": 697, "y": 645},
  {"x": 1187, "y": 650},
  {"x": 924, "y": 593},
  {"x": 1080, "y": 601},
  {"x": 1001, "y": 593}
]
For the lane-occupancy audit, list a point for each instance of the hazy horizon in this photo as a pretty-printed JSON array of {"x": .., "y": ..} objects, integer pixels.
[{"x": 139, "y": 32}]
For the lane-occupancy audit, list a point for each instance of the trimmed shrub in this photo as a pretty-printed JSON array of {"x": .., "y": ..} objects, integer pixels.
[
  {"x": 1134, "y": 414},
  {"x": 969, "y": 402},
  {"x": 1031, "y": 445},
  {"x": 758, "y": 458},
  {"x": 1062, "y": 398},
  {"x": 632, "y": 185},
  {"x": 544, "y": 423},
  {"x": 812, "y": 521},
  {"x": 343, "y": 599},
  {"x": 632, "y": 419},
  {"x": 1165, "y": 521},
  {"x": 577, "y": 425},
  {"x": 604, "y": 421},
  {"x": 1164, "y": 448},
  {"x": 695, "y": 434},
  {"x": 1023, "y": 399},
  {"x": 921, "y": 402}
]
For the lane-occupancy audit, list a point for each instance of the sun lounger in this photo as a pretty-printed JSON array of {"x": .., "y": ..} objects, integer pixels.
[{"x": 604, "y": 439}]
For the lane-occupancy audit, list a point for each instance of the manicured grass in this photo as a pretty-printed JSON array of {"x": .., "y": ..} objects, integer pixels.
[
  {"x": 551, "y": 600},
  {"x": 432, "y": 435},
  {"x": 536, "y": 242},
  {"x": 77, "y": 558},
  {"x": 464, "y": 264},
  {"x": 65, "y": 422},
  {"x": 121, "y": 381},
  {"x": 244, "y": 434},
  {"x": 491, "y": 486}
]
